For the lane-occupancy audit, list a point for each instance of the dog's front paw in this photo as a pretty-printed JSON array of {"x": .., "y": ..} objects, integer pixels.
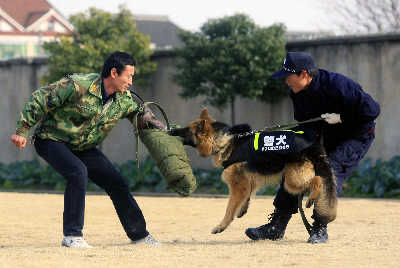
[
  {"x": 244, "y": 209},
  {"x": 242, "y": 213},
  {"x": 309, "y": 203},
  {"x": 218, "y": 229}
]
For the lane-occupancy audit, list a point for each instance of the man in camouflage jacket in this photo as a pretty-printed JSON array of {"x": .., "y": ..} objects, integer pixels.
[{"x": 76, "y": 114}]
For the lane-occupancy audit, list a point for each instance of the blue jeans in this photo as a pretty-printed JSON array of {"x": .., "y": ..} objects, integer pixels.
[
  {"x": 344, "y": 159},
  {"x": 76, "y": 167}
]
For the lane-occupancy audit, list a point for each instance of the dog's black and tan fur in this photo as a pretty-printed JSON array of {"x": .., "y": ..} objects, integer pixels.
[{"x": 308, "y": 170}]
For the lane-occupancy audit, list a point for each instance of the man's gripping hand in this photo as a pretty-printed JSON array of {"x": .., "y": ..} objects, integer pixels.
[
  {"x": 148, "y": 118},
  {"x": 19, "y": 141},
  {"x": 331, "y": 118}
]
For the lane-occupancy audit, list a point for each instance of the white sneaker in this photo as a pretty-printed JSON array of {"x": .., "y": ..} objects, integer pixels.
[
  {"x": 75, "y": 242},
  {"x": 149, "y": 240}
]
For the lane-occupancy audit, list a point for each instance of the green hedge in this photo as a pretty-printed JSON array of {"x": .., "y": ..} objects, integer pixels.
[
  {"x": 379, "y": 180},
  {"x": 31, "y": 175}
]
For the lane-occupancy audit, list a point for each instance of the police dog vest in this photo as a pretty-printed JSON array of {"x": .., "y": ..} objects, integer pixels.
[{"x": 283, "y": 141}]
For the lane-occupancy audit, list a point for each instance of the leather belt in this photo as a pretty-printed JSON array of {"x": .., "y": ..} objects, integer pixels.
[{"x": 371, "y": 131}]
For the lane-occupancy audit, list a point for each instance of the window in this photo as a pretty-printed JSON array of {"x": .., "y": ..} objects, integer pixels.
[{"x": 50, "y": 26}]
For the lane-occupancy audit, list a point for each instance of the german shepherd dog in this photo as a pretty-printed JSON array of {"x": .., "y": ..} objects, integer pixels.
[{"x": 308, "y": 170}]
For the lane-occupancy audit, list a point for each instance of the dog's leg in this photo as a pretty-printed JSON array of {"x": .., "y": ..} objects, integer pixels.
[
  {"x": 236, "y": 200},
  {"x": 257, "y": 181},
  {"x": 315, "y": 187},
  {"x": 298, "y": 176},
  {"x": 244, "y": 208},
  {"x": 239, "y": 190}
]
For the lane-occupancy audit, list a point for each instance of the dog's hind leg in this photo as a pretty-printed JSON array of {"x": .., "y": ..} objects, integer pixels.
[
  {"x": 325, "y": 206},
  {"x": 315, "y": 188},
  {"x": 298, "y": 176},
  {"x": 239, "y": 193}
]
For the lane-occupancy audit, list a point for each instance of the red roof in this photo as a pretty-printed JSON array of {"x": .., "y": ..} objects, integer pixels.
[{"x": 25, "y": 12}]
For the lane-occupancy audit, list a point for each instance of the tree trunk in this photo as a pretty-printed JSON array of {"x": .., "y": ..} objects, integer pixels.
[{"x": 233, "y": 119}]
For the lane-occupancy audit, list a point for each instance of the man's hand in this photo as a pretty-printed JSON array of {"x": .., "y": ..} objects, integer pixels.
[
  {"x": 149, "y": 118},
  {"x": 331, "y": 118},
  {"x": 18, "y": 141}
]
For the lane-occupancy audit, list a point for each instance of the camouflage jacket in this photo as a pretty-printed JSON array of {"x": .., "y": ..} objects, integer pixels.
[{"x": 71, "y": 111}]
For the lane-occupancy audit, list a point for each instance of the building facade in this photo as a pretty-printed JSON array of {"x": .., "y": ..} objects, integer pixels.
[{"x": 26, "y": 24}]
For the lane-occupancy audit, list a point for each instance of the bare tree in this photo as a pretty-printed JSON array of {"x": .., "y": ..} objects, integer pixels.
[{"x": 365, "y": 16}]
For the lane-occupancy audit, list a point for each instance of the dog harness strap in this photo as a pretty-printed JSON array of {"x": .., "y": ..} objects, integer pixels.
[
  {"x": 278, "y": 127},
  {"x": 296, "y": 132},
  {"x": 256, "y": 136}
]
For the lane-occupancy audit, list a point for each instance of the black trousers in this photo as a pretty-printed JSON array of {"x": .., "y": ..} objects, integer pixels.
[{"x": 76, "y": 167}]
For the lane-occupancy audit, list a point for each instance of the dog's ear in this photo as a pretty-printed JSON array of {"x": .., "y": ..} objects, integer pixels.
[{"x": 204, "y": 115}]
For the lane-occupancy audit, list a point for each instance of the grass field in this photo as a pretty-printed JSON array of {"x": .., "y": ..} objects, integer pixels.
[{"x": 365, "y": 234}]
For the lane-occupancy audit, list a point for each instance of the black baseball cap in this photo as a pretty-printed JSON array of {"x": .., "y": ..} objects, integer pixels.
[{"x": 294, "y": 62}]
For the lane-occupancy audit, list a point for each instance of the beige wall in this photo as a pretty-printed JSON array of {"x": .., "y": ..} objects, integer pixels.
[
  {"x": 17, "y": 80},
  {"x": 374, "y": 62}
]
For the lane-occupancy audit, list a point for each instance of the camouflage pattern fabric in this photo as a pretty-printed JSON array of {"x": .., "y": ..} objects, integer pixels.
[
  {"x": 71, "y": 111},
  {"x": 170, "y": 156}
]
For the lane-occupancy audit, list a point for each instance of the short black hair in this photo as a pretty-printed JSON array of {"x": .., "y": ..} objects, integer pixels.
[
  {"x": 117, "y": 60},
  {"x": 313, "y": 72}
]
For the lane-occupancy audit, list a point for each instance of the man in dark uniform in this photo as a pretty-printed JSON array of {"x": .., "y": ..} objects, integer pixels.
[{"x": 348, "y": 131}]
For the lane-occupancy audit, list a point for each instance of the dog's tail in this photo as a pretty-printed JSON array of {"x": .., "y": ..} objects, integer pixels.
[{"x": 324, "y": 169}]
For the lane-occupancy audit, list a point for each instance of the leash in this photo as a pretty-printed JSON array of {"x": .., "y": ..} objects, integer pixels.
[
  {"x": 278, "y": 127},
  {"x": 303, "y": 216},
  {"x": 141, "y": 111}
]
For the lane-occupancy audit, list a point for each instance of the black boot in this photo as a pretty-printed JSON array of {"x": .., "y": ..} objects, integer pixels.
[
  {"x": 319, "y": 233},
  {"x": 274, "y": 230}
]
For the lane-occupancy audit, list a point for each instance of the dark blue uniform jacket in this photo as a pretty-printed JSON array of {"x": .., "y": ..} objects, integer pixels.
[{"x": 334, "y": 93}]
